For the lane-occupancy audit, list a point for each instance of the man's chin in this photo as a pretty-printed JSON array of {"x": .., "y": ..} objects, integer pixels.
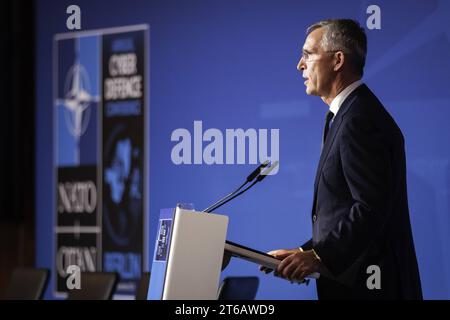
[{"x": 309, "y": 91}]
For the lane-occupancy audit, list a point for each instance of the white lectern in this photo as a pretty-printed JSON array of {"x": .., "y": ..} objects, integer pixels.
[{"x": 188, "y": 255}]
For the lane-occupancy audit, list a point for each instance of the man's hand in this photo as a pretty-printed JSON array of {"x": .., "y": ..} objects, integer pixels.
[
  {"x": 298, "y": 265},
  {"x": 279, "y": 254}
]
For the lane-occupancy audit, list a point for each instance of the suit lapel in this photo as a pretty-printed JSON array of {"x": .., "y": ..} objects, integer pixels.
[
  {"x": 332, "y": 133},
  {"x": 326, "y": 147}
]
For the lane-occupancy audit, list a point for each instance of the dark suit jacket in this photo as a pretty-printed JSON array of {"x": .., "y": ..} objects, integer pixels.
[{"x": 360, "y": 211}]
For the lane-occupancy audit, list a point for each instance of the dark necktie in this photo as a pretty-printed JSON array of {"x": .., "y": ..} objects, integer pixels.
[{"x": 326, "y": 128}]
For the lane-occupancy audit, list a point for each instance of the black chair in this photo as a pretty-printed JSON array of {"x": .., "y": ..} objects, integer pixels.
[
  {"x": 142, "y": 289},
  {"x": 27, "y": 284},
  {"x": 238, "y": 288},
  {"x": 95, "y": 286}
]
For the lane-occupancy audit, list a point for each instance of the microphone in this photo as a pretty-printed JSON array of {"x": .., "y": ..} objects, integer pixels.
[
  {"x": 257, "y": 171},
  {"x": 250, "y": 178},
  {"x": 255, "y": 174}
]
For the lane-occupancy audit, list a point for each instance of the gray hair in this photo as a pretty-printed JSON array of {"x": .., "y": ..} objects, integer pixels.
[{"x": 344, "y": 35}]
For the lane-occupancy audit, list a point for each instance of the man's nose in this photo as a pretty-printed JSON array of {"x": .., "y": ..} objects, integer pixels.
[{"x": 301, "y": 65}]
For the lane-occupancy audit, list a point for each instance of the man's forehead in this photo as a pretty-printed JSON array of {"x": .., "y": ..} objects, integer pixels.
[{"x": 312, "y": 42}]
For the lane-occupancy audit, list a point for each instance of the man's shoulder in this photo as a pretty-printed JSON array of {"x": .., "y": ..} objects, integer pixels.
[
  {"x": 364, "y": 101},
  {"x": 367, "y": 110}
]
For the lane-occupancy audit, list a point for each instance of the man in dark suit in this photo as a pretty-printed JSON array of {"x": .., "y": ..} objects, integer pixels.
[{"x": 362, "y": 243}]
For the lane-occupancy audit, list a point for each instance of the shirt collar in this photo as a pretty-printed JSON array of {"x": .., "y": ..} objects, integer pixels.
[{"x": 340, "y": 98}]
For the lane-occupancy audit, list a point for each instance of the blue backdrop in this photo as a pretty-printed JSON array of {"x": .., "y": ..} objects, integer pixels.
[{"x": 232, "y": 64}]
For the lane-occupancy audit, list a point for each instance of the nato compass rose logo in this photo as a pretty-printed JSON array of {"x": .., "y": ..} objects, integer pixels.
[{"x": 77, "y": 100}]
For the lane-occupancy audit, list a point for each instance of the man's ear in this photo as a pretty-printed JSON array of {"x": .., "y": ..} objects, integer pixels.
[{"x": 339, "y": 59}]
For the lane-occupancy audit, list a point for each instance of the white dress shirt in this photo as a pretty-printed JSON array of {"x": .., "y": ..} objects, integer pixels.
[{"x": 340, "y": 98}]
